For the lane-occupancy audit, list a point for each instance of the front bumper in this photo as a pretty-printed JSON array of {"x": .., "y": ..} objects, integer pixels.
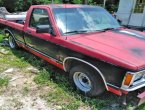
[
  {"x": 137, "y": 93},
  {"x": 135, "y": 87}
]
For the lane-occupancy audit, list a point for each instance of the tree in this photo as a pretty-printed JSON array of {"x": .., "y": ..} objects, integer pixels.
[
  {"x": 9, "y": 5},
  {"x": 85, "y": 1},
  {"x": 23, "y": 5}
]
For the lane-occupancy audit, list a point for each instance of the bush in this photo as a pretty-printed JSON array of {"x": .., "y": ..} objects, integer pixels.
[
  {"x": 23, "y": 5},
  {"x": 4, "y": 81}
]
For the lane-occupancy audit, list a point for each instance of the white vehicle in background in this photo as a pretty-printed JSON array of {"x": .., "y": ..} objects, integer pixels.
[{"x": 131, "y": 13}]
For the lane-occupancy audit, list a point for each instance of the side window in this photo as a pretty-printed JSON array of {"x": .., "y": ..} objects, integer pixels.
[{"x": 39, "y": 17}]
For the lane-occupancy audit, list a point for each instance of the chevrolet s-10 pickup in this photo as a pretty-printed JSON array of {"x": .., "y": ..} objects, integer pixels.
[{"x": 86, "y": 42}]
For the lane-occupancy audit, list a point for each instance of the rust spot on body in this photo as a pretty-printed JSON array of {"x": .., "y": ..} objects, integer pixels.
[{"x": 137, "y": 51}]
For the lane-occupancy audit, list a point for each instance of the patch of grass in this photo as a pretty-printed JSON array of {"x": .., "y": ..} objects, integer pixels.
[
  {"x": 25, "y": 59},
  {"x": 64, "y": 96},
  {"x": 1, "y": 38},
  {"x": 59, "y": 97},
  {"x": 42, "y": 78},
  {"x": 9, "y": 60},
  {"x": 26, "y": 90},
  {"x": 4, "y": 81}
]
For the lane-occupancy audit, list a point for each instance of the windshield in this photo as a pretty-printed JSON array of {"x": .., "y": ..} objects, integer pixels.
[{"x": 83, "y": 20}]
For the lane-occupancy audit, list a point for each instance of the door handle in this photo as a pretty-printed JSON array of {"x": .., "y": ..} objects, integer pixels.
[{"x": 28, "y": 31}]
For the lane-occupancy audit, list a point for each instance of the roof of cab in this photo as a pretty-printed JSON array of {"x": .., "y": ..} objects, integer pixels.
[{"x": 65, "y": 6}]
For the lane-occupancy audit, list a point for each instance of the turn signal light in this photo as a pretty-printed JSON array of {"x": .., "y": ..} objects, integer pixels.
[{"x": 128, "y": 79}]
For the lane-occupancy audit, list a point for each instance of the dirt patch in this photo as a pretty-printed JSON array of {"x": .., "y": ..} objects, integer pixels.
[{"x": 22, "y": 93}]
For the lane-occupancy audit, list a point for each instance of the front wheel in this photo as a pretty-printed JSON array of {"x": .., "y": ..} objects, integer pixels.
[
  {"x": 12, "y": 43},
  {"x": 87, "y": 80}
]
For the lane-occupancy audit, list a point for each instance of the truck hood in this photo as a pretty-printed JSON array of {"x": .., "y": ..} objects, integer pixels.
[{"x": 122, "y": 47}]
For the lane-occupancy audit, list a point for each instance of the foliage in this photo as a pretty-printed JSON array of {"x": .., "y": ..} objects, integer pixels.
[
  {"x": 23, "y": 5},
  {"x": 43, "y": 77},
  {"x": 1, "y": 38},
  {"x": 62, "y": 94},
  {"x": 4, "y": 81},
  {"x": 9, "y": 5},
  {"x": 77, "y": 1}
]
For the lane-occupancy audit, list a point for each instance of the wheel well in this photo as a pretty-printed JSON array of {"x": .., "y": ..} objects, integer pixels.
[
  {"x": 72, "y": 61},
  {"x": 7, "y": 31}
]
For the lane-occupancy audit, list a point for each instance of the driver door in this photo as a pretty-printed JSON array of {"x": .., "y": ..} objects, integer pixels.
[{"x": 40, "y": 42}]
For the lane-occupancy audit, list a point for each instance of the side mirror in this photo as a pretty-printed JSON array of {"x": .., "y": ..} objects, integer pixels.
[{"x": 43, "y": 29}]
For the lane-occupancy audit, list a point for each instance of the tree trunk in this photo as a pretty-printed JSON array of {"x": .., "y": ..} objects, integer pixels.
[{"x": 85, "y": 1}]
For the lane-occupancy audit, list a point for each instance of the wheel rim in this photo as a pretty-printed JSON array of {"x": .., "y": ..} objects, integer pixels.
[
  {"x": 11, "y": 42},
  {"x": 82, "y": 81}
]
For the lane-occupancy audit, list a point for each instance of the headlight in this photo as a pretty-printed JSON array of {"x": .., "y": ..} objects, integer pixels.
[
  {"x": 138, "y": 76},
  {"x": 132, "y": 77}
]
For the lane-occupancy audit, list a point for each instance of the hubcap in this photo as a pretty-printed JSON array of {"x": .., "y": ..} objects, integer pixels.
[
  {"x": 11, "y": 42},
  {"x": 82, "y": 81}
]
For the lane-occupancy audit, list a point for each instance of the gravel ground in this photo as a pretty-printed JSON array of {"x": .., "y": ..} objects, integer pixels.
[{"x": 22, "y": 93}]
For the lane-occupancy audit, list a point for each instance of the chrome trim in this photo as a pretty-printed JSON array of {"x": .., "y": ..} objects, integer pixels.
[
  {"x": 113, "y": 85},
  {"x": 74, "y": 58},
  {"x": 134, "y": 85},
  {"x": 20, "y": 42},
  {"x": 43, "y": 54}
]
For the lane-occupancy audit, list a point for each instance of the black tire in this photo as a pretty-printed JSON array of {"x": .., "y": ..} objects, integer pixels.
[
  {"x": 91, "y": 77},
  {"x": 12, "y": 42}
]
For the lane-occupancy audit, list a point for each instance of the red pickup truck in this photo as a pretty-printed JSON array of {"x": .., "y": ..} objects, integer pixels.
[{"x": 86, "y": 42}]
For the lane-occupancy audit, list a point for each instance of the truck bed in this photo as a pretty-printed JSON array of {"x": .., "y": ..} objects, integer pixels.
[
  {"x": 13, "y": 24},
  {"x": 15, "y": 20}
]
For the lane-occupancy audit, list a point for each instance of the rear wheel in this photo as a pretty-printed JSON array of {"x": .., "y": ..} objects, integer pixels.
[
  {"x": 86, "y": 80},
  {"x": 12, "y": 42}
]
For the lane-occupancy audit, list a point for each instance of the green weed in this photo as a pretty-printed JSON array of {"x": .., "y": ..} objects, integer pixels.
[
  {"x": 4, "y": 81},
  {"x": 1, "y": 38},
  {"x": 63, "y": 95},
  {"x": 42, "y": 78},
  {"x": 10, "y": 60},
  {"x": 26, "y": 90}
]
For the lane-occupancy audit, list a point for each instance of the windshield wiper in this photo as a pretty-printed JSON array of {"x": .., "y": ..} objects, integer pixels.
[
  {"x": 76, "y": 32},
  {"x": 110, "y": 28},
  {"x": 97, "y": 31},
  {"x": 86, "y": 31}
]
